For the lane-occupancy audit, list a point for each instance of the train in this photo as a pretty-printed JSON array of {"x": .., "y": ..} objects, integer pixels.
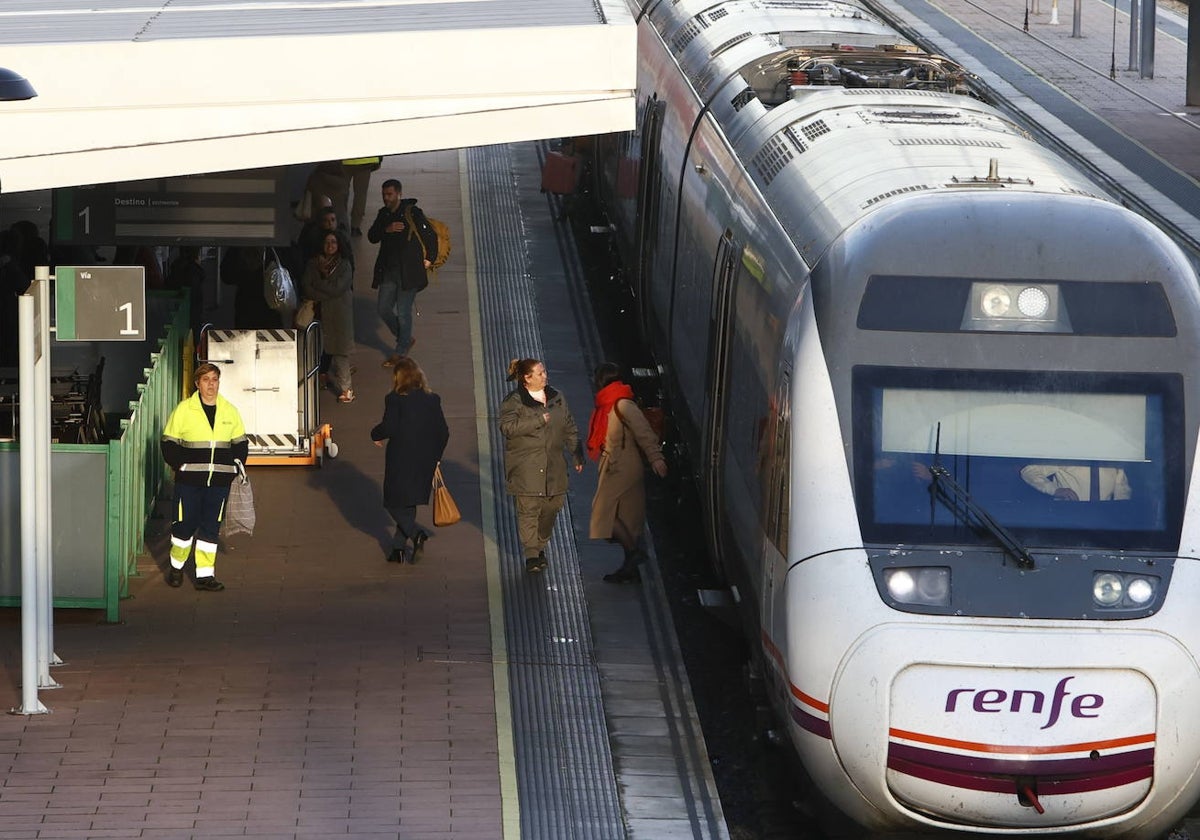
[{"x": 940, "y": 394}]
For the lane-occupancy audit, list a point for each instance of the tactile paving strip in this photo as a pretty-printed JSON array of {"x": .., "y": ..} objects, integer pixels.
[{"x": 565, "y": 777}]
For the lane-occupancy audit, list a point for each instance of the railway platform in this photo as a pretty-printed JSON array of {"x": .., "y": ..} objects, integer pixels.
[
  {"x": 1134, "y": 134},
  {"x": 327, "y": 692}
]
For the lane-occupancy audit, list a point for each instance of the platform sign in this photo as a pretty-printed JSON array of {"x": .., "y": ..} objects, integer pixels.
[
  {"x": 225, "y": 208},
  {"x": 100, "y": 303}
]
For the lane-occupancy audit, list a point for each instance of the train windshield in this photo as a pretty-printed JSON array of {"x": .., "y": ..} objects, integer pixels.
[{"x": 1060, "y": 460}]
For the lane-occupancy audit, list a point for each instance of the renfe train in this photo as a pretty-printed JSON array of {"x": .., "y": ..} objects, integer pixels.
[{"x": 941, "y": 394}]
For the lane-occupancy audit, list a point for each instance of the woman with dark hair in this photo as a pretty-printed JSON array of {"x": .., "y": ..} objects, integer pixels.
[
  {"x": 329, "y": 280},
  {"x": 619, "y": 437},
  {"x": 416, "y": 433},
  {"x": 537, "y": 428}
]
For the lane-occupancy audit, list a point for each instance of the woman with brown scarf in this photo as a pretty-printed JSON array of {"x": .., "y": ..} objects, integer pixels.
[{"x": 328, "y": 279}]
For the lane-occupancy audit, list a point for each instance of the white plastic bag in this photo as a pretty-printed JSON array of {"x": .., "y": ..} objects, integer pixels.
[
  {"x": 239, "y": 508},
  {"x": 278, "y": 287}
]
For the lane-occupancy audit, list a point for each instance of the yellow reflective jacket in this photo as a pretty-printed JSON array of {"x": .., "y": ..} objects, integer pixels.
[{"x": 203, "y": 454}]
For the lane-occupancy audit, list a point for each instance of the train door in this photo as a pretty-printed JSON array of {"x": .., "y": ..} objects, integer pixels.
[
  {"x": 719, "y": 342},
  {"x": 776, "y": 478},
  {"x": 648, "y": 206}
]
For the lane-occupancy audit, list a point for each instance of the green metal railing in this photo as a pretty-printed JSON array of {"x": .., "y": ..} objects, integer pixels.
[
  {"x": 135, "y": 473},
  {"x": 136, "y": 470}
]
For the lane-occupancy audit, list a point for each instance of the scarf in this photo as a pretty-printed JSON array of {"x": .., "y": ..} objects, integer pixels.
[
  {"x": 327, "y": 265},
  {"x": 606, "y": 398}
]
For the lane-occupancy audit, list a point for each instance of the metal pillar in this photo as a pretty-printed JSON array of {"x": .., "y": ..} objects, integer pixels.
[
  {"x": 1149, "y": 29},
  {"x": 34, "y": 412},
  {"x": 1193, "y": 57},
  {"x": 45, "y": 583},
  {"x": 1077, "y": 20},
  {"x": 1134, "y": 14}
]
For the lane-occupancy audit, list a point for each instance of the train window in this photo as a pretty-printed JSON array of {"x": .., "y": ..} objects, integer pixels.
[
  {"x": 952, "y": 304},
  {"x": 1060, "y": 459}
]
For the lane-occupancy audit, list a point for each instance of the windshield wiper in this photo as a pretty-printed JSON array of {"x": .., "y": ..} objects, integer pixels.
[{"x": 952, "y": 494}]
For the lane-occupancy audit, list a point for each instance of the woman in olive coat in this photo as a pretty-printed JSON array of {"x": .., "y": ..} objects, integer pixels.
[
  {"x": 329, "y": 280},
  {"x": 538, "y": 428},
  {"x": 416, "y": 433},
  {"x": 619, "y": 437}
]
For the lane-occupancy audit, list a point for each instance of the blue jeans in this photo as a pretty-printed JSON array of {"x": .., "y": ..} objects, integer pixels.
[{"x": 395, "y": 308}]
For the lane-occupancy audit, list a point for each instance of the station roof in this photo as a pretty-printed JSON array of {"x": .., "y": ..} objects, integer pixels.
[{"x": 133, "y": 89}]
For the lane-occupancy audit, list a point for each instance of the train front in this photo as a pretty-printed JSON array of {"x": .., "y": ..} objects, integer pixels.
[{"x": 988, "y": 616}]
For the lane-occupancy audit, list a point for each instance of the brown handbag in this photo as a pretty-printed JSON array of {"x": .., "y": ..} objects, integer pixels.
[{"x": 445, "y": 512}]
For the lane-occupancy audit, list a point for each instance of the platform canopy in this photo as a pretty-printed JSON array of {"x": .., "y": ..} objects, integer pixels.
[{"x": 133, "y": 89}]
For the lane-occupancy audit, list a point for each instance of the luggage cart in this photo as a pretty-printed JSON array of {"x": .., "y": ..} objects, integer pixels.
[{"x": 271, "y": 377}]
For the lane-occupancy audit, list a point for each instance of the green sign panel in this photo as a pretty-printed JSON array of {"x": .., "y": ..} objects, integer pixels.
[{"x": 100, "y": 303}]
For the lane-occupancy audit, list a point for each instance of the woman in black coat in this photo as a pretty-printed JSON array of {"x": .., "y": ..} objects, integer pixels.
[{"x": 416, "y": 433}]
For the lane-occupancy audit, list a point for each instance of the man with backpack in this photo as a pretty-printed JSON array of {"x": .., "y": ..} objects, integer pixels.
[{"x": 407, "y": 247}]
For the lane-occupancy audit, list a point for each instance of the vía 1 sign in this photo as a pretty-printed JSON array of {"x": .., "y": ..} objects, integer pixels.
[{"x": 100, "y": 303}]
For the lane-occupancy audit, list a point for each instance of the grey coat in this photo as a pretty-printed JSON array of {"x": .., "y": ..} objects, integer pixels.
[
  {"x": 335, "y": 293},
  {"x": 534, "y": 457}
]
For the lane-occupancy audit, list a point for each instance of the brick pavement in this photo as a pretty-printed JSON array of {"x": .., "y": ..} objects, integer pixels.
[{"x": 325, "y": 692}]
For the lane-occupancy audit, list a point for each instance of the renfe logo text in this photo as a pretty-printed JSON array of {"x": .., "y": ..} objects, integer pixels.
[{"x": 1025, "y": 701}]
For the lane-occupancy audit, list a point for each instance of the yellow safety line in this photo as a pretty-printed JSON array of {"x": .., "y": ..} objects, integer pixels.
[{"x": 510, "y": 806}]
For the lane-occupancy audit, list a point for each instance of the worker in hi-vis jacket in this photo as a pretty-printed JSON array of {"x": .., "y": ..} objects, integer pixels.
[{"x": 205, "y": 443}]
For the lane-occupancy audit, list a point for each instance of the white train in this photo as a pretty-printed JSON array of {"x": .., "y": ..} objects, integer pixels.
[{"x": 942, "y": 395}]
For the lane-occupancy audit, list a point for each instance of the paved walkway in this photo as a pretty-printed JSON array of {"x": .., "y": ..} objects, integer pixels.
[
  {"x": 1135, "y": 133},
  {"x": 325, "y": 692}
]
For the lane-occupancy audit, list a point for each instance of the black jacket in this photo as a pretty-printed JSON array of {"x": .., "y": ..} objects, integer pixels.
[
  {"x": 416, "y": 432},
  {"x": 401, "y": 258}
]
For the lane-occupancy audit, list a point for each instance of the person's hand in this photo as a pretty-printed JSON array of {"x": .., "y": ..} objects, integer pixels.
[
  {"x": 379, "y": 443},
  {"x": 395, "y": 227},
  {"x": 579, "y": 468},
  {"x": 428, "y": 263},
  {"x": 546, "y": 417},
  {"x": 660, "y": 468},
  {"x": 1066, "y": 494}
]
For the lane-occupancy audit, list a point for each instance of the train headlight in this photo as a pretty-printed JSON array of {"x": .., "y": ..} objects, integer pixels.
[
  {"x": 1140, "y": 591},
  {"x": 1107, "y": 589},
  {"x": 995, "y": 302},
  {"x": 1033, "y": 302},
  {"x": 1121, "y": 590},
  {"x": 927, "y": 585},
  {"x": 1016, "y": 307}
]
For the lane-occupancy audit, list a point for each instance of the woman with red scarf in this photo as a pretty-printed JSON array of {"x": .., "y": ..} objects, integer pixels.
[{"x": 619, "y": 436}]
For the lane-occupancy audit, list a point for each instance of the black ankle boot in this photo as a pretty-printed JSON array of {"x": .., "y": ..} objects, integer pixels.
[
  {"x": 628, "y": 573},
  {"x": 418, "y": 548}
]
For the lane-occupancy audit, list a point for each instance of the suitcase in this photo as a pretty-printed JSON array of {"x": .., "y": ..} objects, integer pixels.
[{"x": 560, "y": 173}]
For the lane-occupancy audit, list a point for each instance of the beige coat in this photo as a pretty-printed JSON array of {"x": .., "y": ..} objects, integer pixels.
[{"x": 621, "y": 491}]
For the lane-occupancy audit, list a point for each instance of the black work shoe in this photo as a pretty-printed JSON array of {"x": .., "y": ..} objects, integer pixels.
[
  {"x": 209, "y": 584},
  {"x": 397, "y": 556},
  {"x": 418, "y": 546},
  {"x": 624, "y": 575},
  {"x": 533, "y": 564},
  {"x": 175, "y": 578}
]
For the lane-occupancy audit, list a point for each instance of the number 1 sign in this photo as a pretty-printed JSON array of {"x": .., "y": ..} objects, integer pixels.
[{"x": 100, "y": 303}]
